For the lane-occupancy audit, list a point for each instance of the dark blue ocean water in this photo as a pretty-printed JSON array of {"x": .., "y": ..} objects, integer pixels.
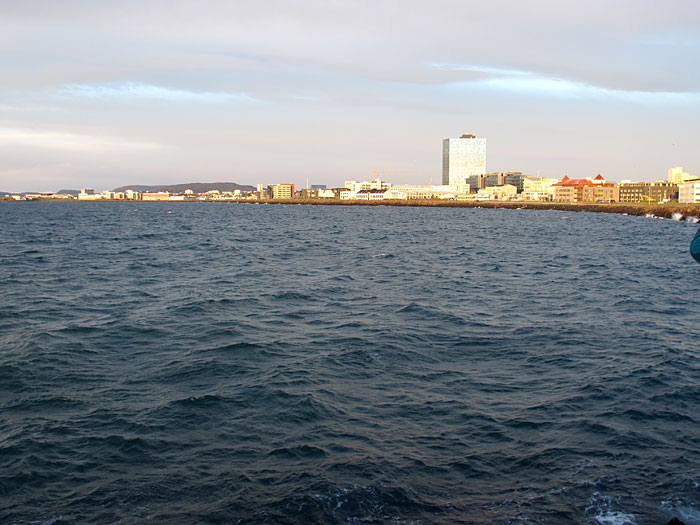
[{"x": 232, "y": 363}]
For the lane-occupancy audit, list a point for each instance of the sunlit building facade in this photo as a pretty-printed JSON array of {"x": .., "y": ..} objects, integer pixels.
[
  {"x": 689, "y": 193},
  {"x": 282, "y": 191},
  {"x": 678, "y": 176},
  {"x": 462, "y": 158}
]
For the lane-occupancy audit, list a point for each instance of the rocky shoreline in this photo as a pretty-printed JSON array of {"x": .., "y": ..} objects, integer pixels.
[{"x": 667, "y": 211}]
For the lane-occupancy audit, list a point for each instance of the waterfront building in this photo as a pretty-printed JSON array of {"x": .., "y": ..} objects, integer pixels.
[
  {"x": 373, "y": 195},
  {"x": 462, "y": 158},
  {"x": 499, "y": 179},
  {"x": 689, "y": 193},
  {"x": 132, "y": 195},
  {"x": 345, "y": 194},
  {"x": 282, "y": 191},
  {"x": 516, "y": 179},
  {"x": 494, "y": 179},
  {"x": 500, "y": 193},
  {"x": 376, "y": 184},
  {"x": 428, "y": 191},
  {"x": 678, "y": 176},
  {"x": 155, "y": 196},
  {"x": 476, "y": 182},
  {"x": 326, "y": 193},
  {"x": 648, "y": 191},
  {"x": 318, "y": 193},
  {"x": 538, "y": 189},
  {"x": 585, "y": 190},
  {"x": 88, "y": 194}
]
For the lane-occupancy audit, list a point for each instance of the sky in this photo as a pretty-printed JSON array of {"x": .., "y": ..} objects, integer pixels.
[{"x": 110, "y": 93}]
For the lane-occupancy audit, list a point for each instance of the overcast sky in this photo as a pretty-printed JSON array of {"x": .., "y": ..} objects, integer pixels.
[{"x": 106, "y": 93}]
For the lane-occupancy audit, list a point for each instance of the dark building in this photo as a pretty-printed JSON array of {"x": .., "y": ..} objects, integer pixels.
[
  {"x": 648, "y": 192},
  {"x": 516, "y": 179},
  {"x": 493, "y": 179}
]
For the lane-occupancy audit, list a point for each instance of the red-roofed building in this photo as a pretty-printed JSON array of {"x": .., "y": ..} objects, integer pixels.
[{"x": 585, "y": 190}]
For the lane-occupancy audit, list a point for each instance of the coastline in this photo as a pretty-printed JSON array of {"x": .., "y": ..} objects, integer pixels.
[{"x": 667, "y": 211}]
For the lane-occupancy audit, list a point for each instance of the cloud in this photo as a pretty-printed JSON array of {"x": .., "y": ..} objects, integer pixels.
[
  {"x": 219, "y": 81},
  {"x": 136, "y": 90},
  {"x": 70, "y": 141},
  {"x": 530, "y": 83},
  {"x": 562, "y": 88},
  {"x": 482, "y": 69}
]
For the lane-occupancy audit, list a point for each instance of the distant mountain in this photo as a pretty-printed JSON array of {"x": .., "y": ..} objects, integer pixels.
[
  {"x": 197, "y": 187},
  {"x": 68, "y": 192}
]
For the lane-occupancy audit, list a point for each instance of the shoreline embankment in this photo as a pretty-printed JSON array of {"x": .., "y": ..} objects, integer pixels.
[{"x": 667, "y": 211}]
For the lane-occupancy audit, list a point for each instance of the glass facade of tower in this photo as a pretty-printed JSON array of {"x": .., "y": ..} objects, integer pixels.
[{"x": 462, "y": 158}]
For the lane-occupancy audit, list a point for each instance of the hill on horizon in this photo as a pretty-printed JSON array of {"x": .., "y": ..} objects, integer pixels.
[{"x": 197, "y": 187}]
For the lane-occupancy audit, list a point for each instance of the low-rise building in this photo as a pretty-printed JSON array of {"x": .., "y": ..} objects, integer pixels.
[
  {"x": 345, "y": 194},
  {"x": 318, "y": 193},
  {"x": 376, "y": 184},
  {"x": 585, "y": 190},
  {"x": 88, "y": 194},
  {"x": 503, "y": 192},
  {"x": 648, "y": 192},
  {"x": 428, "y": 191},
  {"x": 689, "y": 193},
  {"x": 538, "y": 188},
  {"x": 373, "y": 195},
  {"x": 155, "y": 196}
]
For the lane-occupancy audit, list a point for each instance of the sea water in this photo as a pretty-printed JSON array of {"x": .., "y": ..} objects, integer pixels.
[{"x": 236, "y": 363}]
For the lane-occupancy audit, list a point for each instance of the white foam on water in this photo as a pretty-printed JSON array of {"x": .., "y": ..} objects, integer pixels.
[
  {"x": 615, "y": 517},
  {"x": 605, "y": 515},
  {"x": 686, "y": 513},
  {"x": 677, "y": 216},
  {"x": 692, "y": 219}
]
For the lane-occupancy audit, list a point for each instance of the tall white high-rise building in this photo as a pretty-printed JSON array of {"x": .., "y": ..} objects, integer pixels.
[{"x": 462, "y": 158}]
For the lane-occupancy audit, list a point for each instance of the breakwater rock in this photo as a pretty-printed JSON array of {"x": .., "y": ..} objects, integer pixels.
[{"x": 667, "y": 211}]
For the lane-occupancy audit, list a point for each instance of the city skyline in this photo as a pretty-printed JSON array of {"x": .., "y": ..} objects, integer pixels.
[{"x": 112, "y": 93}]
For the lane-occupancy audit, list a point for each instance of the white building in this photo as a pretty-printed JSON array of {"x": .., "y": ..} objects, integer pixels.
[
  {"x": 462, "y": 158},
  {"x": 373, "y": 195},
  {"x": 88, "y": 194},
  {"x": 325, "y": 193},
  {"x": 538, "y": 189},
  {"x": 427, "y": 191},
  {"x": 504, "y": 192},
  {"x": 689, "y": 193},
  {"x": 678, "y": 176},
  {"x": 376, "y": 184}
]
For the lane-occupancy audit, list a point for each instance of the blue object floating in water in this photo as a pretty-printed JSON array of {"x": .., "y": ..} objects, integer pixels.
[{"x": 695, "y": 246}]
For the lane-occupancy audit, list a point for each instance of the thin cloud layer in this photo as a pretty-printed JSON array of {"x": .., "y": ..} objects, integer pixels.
[
  {"x": 135, "y": 90},
  {"x": 264, "y": 93},
  {"x": 70, "y": 141}
]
